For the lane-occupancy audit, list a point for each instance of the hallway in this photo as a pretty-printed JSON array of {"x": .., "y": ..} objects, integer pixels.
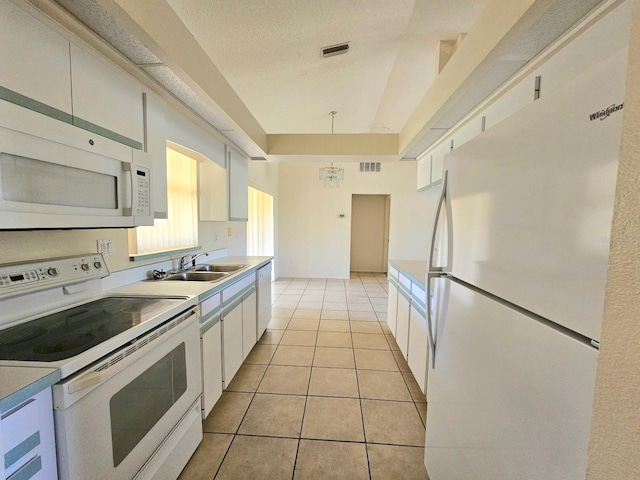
[{"x": 325, "y": 394}]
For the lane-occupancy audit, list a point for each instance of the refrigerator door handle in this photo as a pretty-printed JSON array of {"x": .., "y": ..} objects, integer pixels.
[
  {"x": 430, "y": 320},
  {"x": 441, "y": 202}
]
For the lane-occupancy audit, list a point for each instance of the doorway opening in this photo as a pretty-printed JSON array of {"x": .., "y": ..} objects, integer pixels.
[
  {"x": 370, "y": 233},
  {"x": 260, "y": 224}
]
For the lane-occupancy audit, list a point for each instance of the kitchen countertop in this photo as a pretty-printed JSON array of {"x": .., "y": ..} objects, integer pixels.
[
  {"x": 201, "y": 290},
  {"x": 20, "y": 383},
  {"x": 416, "y": 270}
]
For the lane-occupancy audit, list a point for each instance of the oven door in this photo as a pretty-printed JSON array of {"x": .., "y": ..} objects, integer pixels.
[{"x": 112, "y": 417}]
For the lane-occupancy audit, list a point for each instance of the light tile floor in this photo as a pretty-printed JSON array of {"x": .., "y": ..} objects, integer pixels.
[{"x": 325, "y": 394}]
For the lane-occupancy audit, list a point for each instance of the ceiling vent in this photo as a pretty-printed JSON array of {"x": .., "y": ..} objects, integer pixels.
[
  {"x": 258, "y": 159},
  {"x": 369, "y": 167},
  {"x": 334, "y": 50}
]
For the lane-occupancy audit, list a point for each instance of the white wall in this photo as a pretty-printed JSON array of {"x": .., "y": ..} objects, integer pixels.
[
  {"x": 315, "y": 242},
  {"x": 615, "y": 429}
]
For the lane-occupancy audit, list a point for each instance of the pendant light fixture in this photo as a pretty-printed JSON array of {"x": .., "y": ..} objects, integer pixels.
[{"x": 332, "y": 176}]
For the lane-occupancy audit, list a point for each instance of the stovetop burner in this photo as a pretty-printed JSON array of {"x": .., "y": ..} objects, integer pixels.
[{"x": 70, "y": 332}]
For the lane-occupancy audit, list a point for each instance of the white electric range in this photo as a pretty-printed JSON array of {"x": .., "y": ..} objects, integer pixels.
[{"x": 128, "y": 404}]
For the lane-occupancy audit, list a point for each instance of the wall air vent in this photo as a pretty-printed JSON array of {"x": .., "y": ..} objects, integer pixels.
[
  {"x": 369, "y": 167},
  {"x": 258, "y": 159},
  {"x": 334, "y": 50}
]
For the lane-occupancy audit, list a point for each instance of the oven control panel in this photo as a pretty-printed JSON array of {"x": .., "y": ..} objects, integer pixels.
[{"x": 27, "y": 277}]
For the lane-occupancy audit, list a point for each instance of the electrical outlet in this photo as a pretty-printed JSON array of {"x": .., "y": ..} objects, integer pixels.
[
  {"x": 105, "y": 247},
  {"x": 215, "y": 236}
]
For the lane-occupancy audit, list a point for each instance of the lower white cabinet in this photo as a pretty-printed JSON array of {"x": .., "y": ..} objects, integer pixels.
[
  {"x": 28, "y": 441},
  {"x": 249, "y": 322},
  {"x": 392, "y": 308},
  {"x": 232, "y": 341},
  {"x": 402, "y": 324},
  {"x": 418, "y": 349},
  {"x": 211, "y": 367},
  {"x": 406, "y": 316},
  {"x": 263, "y": 286}
]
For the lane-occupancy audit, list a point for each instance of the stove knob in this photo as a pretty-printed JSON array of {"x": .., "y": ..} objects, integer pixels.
[
  {"x": 98, "y": 265},
  {"x": 53, "y": 272},
  {"x": 85, "y": 267}
]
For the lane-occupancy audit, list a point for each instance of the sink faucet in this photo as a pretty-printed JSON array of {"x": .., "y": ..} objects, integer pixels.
[{"x": 182, "y": 263}]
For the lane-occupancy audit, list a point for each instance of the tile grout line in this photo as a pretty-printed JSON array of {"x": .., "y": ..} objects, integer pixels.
[
  {"x": 364, "y": 431},
  {"x": 306, "y": 397}
]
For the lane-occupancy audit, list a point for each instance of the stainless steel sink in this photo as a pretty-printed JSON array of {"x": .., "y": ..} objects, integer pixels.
[
  {"x": 208, "y": 267},
  {"x": 197, "y": 276}
]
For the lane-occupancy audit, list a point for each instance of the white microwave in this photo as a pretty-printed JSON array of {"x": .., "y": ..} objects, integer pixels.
[{"x": 55, "y": 175}]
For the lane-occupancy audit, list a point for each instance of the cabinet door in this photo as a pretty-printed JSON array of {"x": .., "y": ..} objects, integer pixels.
[
  {"x": 211, "y": 368},
  {"x": 232, "y": 342},
  {"x": 402, "y": 324},
  {"x": 418, "y": 347},
  {"x": 238, "y": 167},
  {"x": 467, "y": 132},
  {"x": 392, "y": 309},
  {"x": 264, "y": 298},
  {"x": 156, "y": 128},
  {"x": 437, "y": 160},
  {"x": 105, "y": 101},
  {"x": 212, "y": 191},
  {"x": 424, "y": 172},
  {"x": 249, "y": 323},
  {"x": 34, "y": 62}
]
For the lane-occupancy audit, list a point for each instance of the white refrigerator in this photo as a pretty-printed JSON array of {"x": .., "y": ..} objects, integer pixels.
[{"x": 516, "y": 297}]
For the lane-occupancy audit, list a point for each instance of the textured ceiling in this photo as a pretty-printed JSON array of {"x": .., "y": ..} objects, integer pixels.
[{"x": 269, "y": 52}]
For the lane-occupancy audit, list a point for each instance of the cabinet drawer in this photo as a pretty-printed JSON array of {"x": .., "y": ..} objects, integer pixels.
[
  {"x": 232, "y": 291},
  {"x": 28, "y": 443},
  {"x": 209, "y": 306},
  {"x": 19, "y": 425},
  {"x": 405, "y": 282}
]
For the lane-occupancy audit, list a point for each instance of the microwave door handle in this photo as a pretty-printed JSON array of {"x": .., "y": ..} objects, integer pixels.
[{"x": 127, "y": 191}]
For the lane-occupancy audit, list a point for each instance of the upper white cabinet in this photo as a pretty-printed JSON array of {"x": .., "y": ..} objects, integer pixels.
[
  {"x": 424, "y": 172},
  {"x": 156, "y": 127},
  {"x": 238, "y": 167},
  {"x": 34, "y": 61},
  {"x": 105, "y": 100},
  {"x": 212, "y": 187}
]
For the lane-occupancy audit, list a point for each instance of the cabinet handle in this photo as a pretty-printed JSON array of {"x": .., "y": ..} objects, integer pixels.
[
  {"x": 28, "y": 470},
  {"x": 16, "y": 409}
]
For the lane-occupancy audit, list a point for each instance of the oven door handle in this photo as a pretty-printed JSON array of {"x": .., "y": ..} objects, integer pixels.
[{"x": 89, "y": 380}]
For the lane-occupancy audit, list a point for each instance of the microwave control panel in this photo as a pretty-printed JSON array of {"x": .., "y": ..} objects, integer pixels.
[
  {"x": 19, "y": 278},
  {"x": 143, "y": 199}
]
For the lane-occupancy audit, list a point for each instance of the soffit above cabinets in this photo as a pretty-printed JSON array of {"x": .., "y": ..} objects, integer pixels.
[{"x": 271, "y": 80}]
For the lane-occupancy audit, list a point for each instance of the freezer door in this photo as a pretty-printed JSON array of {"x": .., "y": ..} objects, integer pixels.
[
  {"x": 509, "y": 397},
  {"x": 531, "y": 199}
]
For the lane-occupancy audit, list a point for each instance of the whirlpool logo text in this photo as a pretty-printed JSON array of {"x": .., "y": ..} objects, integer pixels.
[{"x": 604, "y": 113}]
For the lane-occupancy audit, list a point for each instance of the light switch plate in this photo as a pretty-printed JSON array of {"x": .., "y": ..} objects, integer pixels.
[{"x": 105, "y": 247}]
